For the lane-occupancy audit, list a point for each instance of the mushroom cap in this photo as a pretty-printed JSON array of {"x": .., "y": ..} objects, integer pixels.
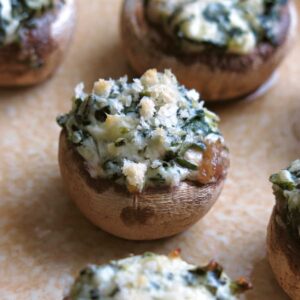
[
  {"x": 284, "y": 256},
  {"x": 153, "y": 214},
  {"x": 45, "y": 43},
  {"x": 216, "y": 74}
]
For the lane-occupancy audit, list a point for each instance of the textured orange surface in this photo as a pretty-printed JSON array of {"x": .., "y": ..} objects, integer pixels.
[{"x": 44, "y": 240}]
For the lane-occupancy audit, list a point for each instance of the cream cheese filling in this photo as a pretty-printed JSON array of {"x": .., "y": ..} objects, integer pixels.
[
  {"x": 13, "y": 13},
  {"x": 235, "y": 25},
  {"x": 153, "y": 277},
  {"x": 142, "y": 133}
]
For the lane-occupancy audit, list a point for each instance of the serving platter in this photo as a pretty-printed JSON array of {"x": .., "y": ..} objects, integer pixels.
[{"x": 44, "y": 240}]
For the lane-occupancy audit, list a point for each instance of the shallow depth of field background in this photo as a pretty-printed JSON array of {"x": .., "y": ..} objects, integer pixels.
[{"x": 44, "y": 240}]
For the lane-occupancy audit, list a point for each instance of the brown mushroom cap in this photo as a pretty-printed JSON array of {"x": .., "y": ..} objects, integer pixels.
[
  {"x": 284, "y": 257},
  {"x": 44, "y": 44},
  {"x": 216, "y": 74},
  {"x": 153, "y": 214}
]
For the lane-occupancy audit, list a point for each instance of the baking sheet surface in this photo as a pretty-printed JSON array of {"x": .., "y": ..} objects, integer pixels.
[{"x": 44, "y": 240}]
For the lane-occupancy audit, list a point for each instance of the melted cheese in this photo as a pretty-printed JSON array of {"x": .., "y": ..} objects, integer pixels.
[
  {"x": 286, "y": 186},
  {"x": 147, "y": 108},
  {"x": 135, "y": 173},
  {"x": 122, "y": 128},
  {"x": 236, "y": 25},
  {"x": 150, "y": 277},
  {"x": 14, "y": 17}
]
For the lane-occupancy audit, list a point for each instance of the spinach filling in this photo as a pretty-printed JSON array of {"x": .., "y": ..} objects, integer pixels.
[
  {"x": 156, "y": 277},
  {"x": 286, "y": 187},
  {"x": 235, "y": 26},
  {"x": 18, "y": 14},
  {"x": 141, "y": 133}
]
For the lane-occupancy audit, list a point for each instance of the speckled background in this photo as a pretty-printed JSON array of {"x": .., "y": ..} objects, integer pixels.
[{"x": 44, "y": 240}]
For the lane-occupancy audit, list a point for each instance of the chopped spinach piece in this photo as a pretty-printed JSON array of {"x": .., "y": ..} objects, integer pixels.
[
  {"x": 120, "y": 142},
  {"x": 94, "y": 294},
  {"x": 186, "y": 164},
  {"x": 157, "y": 179},
  {"x": 101, "y": 114},
  {"x": 197, "y": 146},
  {"x": 114, "y": 292},
  {"x": 113, "y": 169},
  {"x": 170, "y": 155},
  {"x": 216, "y": 12}
]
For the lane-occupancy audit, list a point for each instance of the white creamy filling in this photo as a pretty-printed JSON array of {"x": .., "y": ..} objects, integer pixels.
[
  {"x": 193, "y": 23},
  {"x": 13, "y": 22},
  {"x": 154, "y": 277},
  {"x": 132, "y": 128},
  {"x": 135, "y": 173},
  {"x": 287, "y": 182},
  {"x": 37, "y": 4},
  {"x": 295, "y": 166},
  {"x": 285, "y": 176}
]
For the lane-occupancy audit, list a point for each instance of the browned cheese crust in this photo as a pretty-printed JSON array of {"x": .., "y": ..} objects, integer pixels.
[
  {"x": 153, "y": 214},
  {"x": 284, "y": 257},
  {"x": 42, "y": 48},
  {"x": 217, "y": 75}
]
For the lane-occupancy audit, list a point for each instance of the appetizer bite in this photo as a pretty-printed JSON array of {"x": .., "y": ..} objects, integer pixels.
[
  {"x": 142, "y": 159},
  {"x": 283, "y": 232},
  {"x": 151, "y": 276},
  {"x": 34, "y": 35},
  {"x": 225, "y": 49}
]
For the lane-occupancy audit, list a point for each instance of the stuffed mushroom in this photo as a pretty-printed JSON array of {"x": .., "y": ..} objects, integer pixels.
[
  {"x": 142, "y": 159},
  {"x": 34, "y": 35},
  {"x": 283, "y": 231},
  {"x": 225, "y": 49},
  {"x": 151, "y": 276}
]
